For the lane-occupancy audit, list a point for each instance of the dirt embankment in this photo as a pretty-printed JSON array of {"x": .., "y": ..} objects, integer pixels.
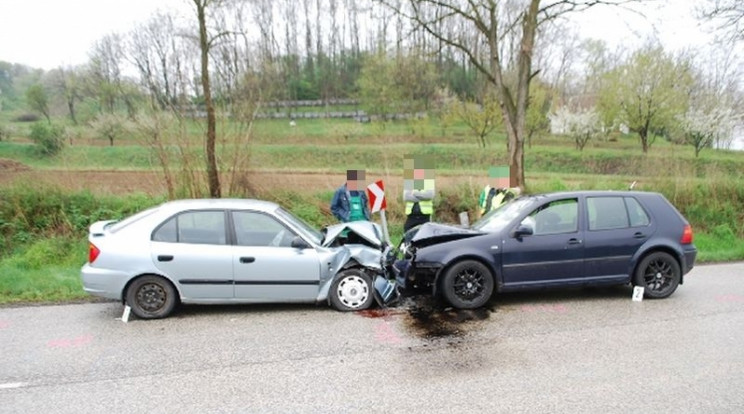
[
  {"x": 152, "y": 182},
  {"x": 7, "y": 165}
]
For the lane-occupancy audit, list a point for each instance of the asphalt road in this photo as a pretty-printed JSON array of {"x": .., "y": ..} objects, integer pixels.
[{"x": 572, "y": 351}]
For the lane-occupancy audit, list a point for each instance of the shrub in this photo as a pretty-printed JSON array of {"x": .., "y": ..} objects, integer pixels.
[
  {"x": 49, "y": 252},
  {"x": 28, "y": 214},
  {"x": 5, "y": 132},
  {"x": 26, "y": 118},
  {"x": 49, "y": 138},
  {"x": 450, "y": 202}
]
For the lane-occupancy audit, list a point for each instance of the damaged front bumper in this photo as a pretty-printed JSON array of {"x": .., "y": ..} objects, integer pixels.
[
  {"x": 359, "y": 244},
  {"x": 413, "y": 277}
]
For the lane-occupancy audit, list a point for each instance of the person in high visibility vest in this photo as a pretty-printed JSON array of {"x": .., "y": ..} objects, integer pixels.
[
  {"x": 492, "y": 198},
  {"x": 418, "y": 191},
  {"x": 497, "y": 192},
  {"x": 350, "y": 202}
]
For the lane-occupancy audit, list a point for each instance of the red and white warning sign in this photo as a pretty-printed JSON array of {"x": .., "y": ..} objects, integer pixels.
[{"x": 376, "y": 194}]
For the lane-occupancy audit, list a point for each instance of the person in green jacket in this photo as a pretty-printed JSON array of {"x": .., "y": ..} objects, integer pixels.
[{"x": 350, "y": 201}]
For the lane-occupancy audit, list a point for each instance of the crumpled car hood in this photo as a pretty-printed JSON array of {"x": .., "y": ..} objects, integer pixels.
[
  {"x": 367, "y": 230},
  {"x": 433, "y": 233}
]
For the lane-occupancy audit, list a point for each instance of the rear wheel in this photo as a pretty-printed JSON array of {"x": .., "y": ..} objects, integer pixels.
[
  {"x": 659, "y": 274},
  {"x": 151, "y": 297},
  {"x": 352, "y": 291},
  {"x": 467, "y": 284}
]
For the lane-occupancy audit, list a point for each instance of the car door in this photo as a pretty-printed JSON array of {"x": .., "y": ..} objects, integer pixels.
[
  {"x": 553, "y": 253},
  {"x": 191, "y": 248},
  {"x": 617, "y": 227},
  {"x": 266, "y": 267}
]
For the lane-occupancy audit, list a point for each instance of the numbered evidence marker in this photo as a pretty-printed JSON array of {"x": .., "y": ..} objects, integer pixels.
[
  {"x": 125, "y": 315},
  {"x": 637, "y": 293}
]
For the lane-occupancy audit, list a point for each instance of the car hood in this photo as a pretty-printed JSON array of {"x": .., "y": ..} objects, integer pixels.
[
  {"x": 367, "y": 230},
  {"x": 434, "y": 233}
]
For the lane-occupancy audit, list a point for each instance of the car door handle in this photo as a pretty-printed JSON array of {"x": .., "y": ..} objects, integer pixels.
[
  {"x": 247, "y": 259},
  {"x": 639, "y": 235},
  {"x": 165, "y": 258},
  {"x": 574, "y": 241}
]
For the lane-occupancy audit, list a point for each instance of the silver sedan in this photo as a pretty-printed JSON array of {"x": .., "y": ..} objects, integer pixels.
[{"x": 220, "y": 251}]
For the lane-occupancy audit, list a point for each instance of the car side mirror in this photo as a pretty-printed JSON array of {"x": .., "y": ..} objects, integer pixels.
[
  {"x": 299, "y": 243},
  {"x": 522, "y": 230}
]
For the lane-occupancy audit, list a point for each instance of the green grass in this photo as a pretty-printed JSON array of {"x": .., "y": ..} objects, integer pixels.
[
  {"x": 713, "y": 249},
  {"x": 450, "y": 158},
  {"x": 47, "y": 270}
]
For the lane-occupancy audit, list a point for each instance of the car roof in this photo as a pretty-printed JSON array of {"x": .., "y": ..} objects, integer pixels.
[
  {"x": 590, "y": 193},
  {"x": 219, "y": 203}
]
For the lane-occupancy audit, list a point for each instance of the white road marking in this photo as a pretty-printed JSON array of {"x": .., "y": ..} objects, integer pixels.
[{"x": 11, "y": 385}]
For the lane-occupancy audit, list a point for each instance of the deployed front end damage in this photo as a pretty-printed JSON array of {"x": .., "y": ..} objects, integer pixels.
[
  {"x": 413, "y": 275},
  {"x": 356, "y": 245}
]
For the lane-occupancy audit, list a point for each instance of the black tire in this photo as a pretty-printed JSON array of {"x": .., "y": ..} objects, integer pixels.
[
  {"x": 467, "y": 284},
  {"x": 151, "y": 297},
  {"x": 352, "y": 291},
  {"x": 659, "y": 275}
]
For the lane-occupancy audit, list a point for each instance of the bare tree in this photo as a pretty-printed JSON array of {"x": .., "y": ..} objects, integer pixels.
[
  {"x": 493, "y": 24},
  {"x": 202, "y": 7},
  {"x": 155, "y": 49},
  {"x": 728, "y": 15},
  {"x": 105, "y": 72},
  {"x": 67, "y": 83},
  {"x": 37, "y": 99}
]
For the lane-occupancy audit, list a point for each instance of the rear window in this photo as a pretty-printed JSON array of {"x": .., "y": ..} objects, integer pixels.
[
  {"x": 607, "y": 213},
  {"x": 636, "y": 213},
  {"x": 114, "y": 227},
  {"x": 195, "y": 227}
]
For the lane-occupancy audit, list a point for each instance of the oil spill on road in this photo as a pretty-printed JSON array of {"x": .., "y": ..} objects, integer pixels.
[{"x": 428, "y": 319}]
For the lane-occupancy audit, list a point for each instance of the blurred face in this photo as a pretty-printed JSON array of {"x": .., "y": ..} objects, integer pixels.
[
  {"x": 501, "y": 182},
  {"x": 354, "y": 180}
]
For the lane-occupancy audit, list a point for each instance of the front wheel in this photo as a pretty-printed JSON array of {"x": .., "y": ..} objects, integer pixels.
[
  {"x": 352, "y": 291},
  {"x": 467, "y": 284},
  {"x": 151, "y": 297},
  {"x": 659, "y": 274}
]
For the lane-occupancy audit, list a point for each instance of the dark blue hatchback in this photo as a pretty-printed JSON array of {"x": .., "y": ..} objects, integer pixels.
[{"x": 550, "y": 240}]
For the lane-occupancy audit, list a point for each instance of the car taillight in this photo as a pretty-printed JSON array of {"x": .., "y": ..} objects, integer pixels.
[
  {"x": 93, "y": 253},
  {"x": 686, "y": 235}
]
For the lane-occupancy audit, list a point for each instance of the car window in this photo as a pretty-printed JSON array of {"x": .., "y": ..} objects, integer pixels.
[
  {"x": 636, "y": 213},
  {"x": 198, "y": 227},
  {"x": 497, "y": 219},
  {"x": 560, "y": 216},
  {"x": 259, "y": 229},
  {"x": 132, "y": 219},
  {"x": 167, "y": 232},
  {"x": 606, "y": 213},
  {"x": 299, "y": 224}
]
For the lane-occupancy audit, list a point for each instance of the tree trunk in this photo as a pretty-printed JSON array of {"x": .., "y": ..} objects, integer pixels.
[
  {"x": 515, "y": 113},
  {"x": 71, "y": 108},
  {"x": 644, "y": 139},
  {"x": 524, "y": 63},
  {"x": 212, "y": 173}
]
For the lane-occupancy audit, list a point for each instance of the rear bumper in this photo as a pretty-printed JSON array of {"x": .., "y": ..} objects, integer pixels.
[
  {"x": 688, "y": 262},
  {"x": 103, "y": 282}
]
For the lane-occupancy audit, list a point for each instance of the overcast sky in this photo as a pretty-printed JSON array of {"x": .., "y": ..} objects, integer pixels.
[{"x": 51, "y": 33}]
